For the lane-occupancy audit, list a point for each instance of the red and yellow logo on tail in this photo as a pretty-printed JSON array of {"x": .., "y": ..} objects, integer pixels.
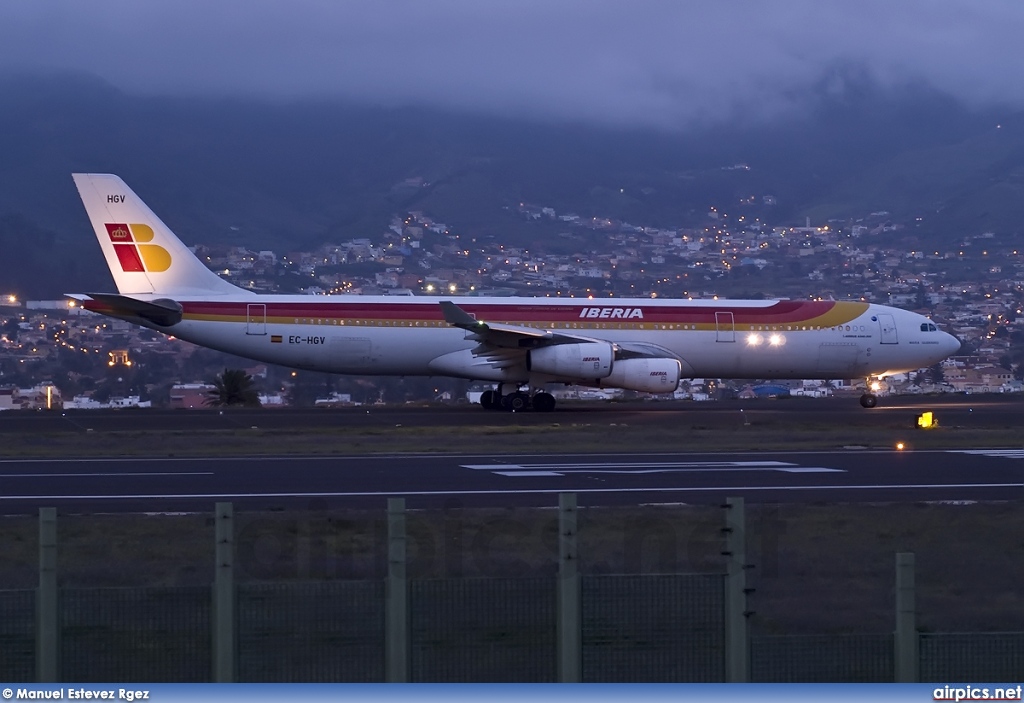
[{"x": 132, "y": 250}]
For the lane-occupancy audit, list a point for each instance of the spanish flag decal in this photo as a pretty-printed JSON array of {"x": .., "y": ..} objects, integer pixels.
[{"x": 275, "y": 338}]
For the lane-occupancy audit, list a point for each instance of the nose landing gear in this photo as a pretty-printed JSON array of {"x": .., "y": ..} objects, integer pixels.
[{"x": 870, "y": 399}]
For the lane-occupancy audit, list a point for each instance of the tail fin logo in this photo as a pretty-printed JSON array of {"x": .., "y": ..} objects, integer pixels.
[{"x": 133, "y": 251}]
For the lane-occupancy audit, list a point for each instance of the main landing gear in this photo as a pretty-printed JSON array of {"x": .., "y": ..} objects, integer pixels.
[
  {"x": 868, "y": 400},
  {"x": 517, "y": 401}
]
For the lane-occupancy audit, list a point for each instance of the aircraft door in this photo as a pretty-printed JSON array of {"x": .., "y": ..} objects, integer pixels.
[
  {"x": 256, "y": 318},
  {"x": 725, "y": 330},
  {"x": 888, "y": 327}
]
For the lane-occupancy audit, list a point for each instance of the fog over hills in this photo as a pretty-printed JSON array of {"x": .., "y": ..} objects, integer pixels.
[{"x": 290, "y": 174}]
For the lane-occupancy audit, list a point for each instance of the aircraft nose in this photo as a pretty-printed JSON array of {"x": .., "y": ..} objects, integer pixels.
[{"x": 950, "y": 344}]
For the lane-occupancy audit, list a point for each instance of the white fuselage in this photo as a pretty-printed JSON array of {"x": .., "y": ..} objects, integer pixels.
[{"x": 718, "y": 339}]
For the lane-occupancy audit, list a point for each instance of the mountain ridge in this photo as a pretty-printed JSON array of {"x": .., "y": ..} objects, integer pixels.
[{"x": 291, "y": 175}]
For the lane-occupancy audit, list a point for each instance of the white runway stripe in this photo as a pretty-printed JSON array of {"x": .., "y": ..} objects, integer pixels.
[
  {"x": 632, "y": 465},
  {"x": 512, "y": 491},
  {"x": 638, "y": 468},
  {"x": 107, "y": 475}
]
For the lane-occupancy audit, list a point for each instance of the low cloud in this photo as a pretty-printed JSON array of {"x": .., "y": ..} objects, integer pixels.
[{"x": 660, "y": 63}]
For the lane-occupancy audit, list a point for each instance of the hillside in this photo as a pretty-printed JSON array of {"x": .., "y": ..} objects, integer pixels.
[{"x": 290, "y": 175}]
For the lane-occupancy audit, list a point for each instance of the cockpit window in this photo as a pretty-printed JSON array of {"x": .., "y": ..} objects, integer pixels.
[{"x": 928, "y": 327}]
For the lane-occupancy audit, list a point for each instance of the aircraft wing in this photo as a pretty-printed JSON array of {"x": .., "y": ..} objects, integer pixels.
[
  {"x": 495, "y": 337},
  {"x": 496, "y": 334}
]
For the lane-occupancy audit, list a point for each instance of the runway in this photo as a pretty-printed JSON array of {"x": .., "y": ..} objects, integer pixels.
[
  {"x": 954, "y": 410},
  {"x": 483, "y": 480}
]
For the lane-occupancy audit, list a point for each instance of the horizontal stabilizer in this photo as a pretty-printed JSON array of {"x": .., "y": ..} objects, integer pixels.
[{"x": 162, "y": 312}]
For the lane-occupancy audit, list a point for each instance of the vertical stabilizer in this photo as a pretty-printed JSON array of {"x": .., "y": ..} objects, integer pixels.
[{"x": 144, "y": 256}]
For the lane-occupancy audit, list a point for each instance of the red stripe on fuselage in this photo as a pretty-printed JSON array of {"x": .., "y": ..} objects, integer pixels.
[{"x": 781, "y": 312}]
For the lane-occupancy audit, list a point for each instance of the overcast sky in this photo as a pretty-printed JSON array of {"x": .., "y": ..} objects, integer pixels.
[{"x": 663, "y": 63}]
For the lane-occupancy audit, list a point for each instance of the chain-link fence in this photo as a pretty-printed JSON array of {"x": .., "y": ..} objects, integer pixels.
[
  {"x": 634, "y": 628},
  {"x": 851, "y": 658},
  {"x": 17, "y": 635},
  {"x": 653, "y": 628},
  {"x": 972, "y": 656},
  {"x": 483, "y": 630},
  {"x": 330, "y": 631},
  {"x": 135, "y": 634},
  {"x": 625, "y": 628}
]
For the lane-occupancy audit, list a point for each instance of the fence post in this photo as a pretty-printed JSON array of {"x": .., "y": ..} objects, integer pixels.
[
  {"x": 224, "y": 594},
  {"x": 737, "y": 647},
  {"x": 906, "y": 638},
  {"x": 47, "y": 615},
  {"x": 396, "y": 608},
  {"x": 569, "y": 631}
]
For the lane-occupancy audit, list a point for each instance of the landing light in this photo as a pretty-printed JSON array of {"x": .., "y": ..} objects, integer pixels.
[
  {"x": 776, "y": 339},
  {"x": 876, "y": 386},
  {"x": 753, "y": 339}
]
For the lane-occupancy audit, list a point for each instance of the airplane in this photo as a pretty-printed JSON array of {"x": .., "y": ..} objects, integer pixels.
[{"x": 522, "y": 345}]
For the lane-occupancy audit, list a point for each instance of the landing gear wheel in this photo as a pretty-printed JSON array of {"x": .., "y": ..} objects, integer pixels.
[
  {"x": 868, "y": 400},
  {"x": 517, "y": 401},
  {"x": 543, "y": 402},
  {"x": 489, "y": 400}
]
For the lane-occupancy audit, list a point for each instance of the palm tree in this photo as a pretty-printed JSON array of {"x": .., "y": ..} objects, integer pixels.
[{"x": 233, "y": 387}]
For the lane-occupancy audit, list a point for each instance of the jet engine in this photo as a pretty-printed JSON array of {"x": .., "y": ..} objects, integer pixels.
[
  {"x": 586, "y": 360},
  {"x": 647, "y": 375}
]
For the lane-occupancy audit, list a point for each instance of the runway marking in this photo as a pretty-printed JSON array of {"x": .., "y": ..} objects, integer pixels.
[
  {"x": 539, "y": 491},
  {"x": 107, "y": 475},
  {"x": 528, "y": 474},
  {"x": 526, "y": 471},
  {"x": 640, "y": 468},
  {"x": 627, "y": 464},
  {"x": 305, "y": 459},
  {"x": 1003, "y": 453}
]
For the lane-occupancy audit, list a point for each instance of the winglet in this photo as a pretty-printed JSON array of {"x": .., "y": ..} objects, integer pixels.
[{"x": 457, "y": 317}]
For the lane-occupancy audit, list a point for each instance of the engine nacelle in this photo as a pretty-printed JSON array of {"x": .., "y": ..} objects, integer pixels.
[
  {"x": 586, "y": 360},
  {"x": 647, "y": 375}
]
